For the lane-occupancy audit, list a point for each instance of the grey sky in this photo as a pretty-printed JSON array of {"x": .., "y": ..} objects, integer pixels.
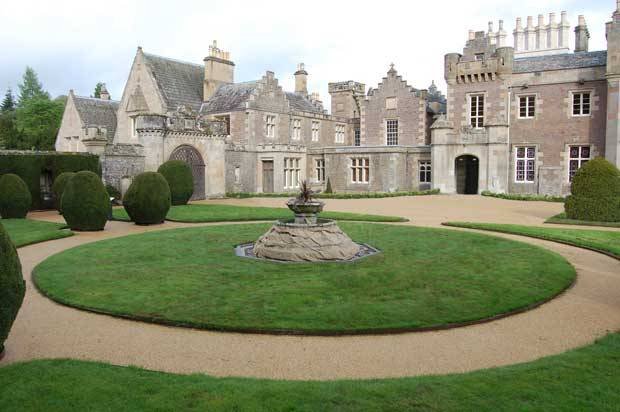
[{"x": 75, "y": 44}]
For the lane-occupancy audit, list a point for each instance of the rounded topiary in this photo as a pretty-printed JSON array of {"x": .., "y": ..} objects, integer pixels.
[
  {"x": 15, "y": 198},
  {"x": 595, "y": 193},
  {"x": 179, "y": 177},
  {"x": 85, "y": 204},
  {"x": 58, "y": 188},
  {"x": 12, "y": 286},
  {"x": 147, "y": 200}
]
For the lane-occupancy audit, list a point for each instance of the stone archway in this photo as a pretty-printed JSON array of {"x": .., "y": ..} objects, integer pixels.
[
  {"x": 466, "y": 167},
  {"x": 192, "y": 157}
]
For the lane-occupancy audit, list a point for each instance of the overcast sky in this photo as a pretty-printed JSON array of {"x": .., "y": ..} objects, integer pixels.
[{"x": 75, "y": 44}]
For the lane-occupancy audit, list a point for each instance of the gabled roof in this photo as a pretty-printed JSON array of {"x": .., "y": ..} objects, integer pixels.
[
  {"x": 97, "y": 112},
  {"x": 301, "y": 103},
  {"x": 578, "y": 60},
  {"x": 229, "y": 97},
  {"x": 181, "y": 83}
]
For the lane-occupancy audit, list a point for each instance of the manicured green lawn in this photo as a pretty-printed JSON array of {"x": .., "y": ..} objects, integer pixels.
[
  {"x": 226, "y": 213},
  {"x": 191, "y": 277},
  {"x": 605, "y": 241},
  {"x": 586, "y": 379},
  {"x": 561, "y": 219},
  {"x": 25, "y": 232}
]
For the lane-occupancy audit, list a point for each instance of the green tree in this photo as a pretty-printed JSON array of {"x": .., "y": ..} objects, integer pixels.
[
  {"x": 10, "y": 138},
  {"x": 98, "y": 88},
  {"x": 31, "y": 87},
  {"x": 8, "y": 104},
  {"x": 38, "y": 119}
]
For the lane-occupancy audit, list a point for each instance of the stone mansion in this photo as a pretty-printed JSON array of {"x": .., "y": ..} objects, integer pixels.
[{"x": 520, "y": 118}]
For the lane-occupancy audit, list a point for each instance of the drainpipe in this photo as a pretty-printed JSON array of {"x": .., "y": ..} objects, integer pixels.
[{"x": 508, "y": 140}]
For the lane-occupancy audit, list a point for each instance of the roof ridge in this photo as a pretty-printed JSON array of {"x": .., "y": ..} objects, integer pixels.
[
  {"x": 96, "y": 99},
  {"x": 172, "y": 59}
]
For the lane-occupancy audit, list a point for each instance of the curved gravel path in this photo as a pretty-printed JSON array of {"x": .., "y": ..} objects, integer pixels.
[{"x": 589, "y": 310}]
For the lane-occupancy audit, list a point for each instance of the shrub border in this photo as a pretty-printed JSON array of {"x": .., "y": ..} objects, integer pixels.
[
  {"x": 524, "y": 197},
  {"x": 340, "y": 195}
]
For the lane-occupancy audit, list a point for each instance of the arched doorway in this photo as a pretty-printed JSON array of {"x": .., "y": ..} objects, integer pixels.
[
  {"x": 192, "y": 157},
  {"x": 466, "y": 167}
]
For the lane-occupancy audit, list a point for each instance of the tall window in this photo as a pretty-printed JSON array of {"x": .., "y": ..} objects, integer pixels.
[
  {"x": 476, "y": 114},
  {"x": 581, "y": 104},
  {"x": 291, "y": 172},
  {"x": 320, "y": 170},
  {"x": 358, "y": 140},
  {"x": 525, "y": 164},
  {"x": 360, "y": 170},
  {"x": 296, "y": 129},
  {"x": 270, "y": 124},
  {"x": 340, "y": 129},
  {"x": 392, "y": 132},
  {"x": 134, "y": 131},
  {"x": 425, "y": 171},
  {"x": 527, "y": 107},
  {"x": 316, "y": 131},
  {"x": 578, "y": 156}
]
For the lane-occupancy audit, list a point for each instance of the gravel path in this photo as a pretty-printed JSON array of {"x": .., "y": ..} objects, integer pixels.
[{"x": 589, "y": 310}]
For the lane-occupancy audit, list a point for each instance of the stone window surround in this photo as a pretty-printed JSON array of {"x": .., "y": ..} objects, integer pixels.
[
  {"x": 292, "y": 172},
  {"x": 425, "y": 168},
  {"x": 132, "y": 125},
  {"x": 515, "y": 147},
  {"x": 594, "y": 99},
  {"x": 319, "y": 168},
  {"x": 386, "y": 123},
  {"x": 296, "y": 129},
  {"x": 565, "y": 156},
  {"x": 340, "y": 130},
  {"x": 360, "y": 170},
  {"x": 316, "y": 131},
  {"x": 579, "y": 158},
  {"x": 467, "y": 107},
  {"x": 266, "y": 117},
  {"x": 518, "y": 98}
]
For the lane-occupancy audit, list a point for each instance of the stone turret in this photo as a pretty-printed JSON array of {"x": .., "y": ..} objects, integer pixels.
[
  {"x": 219, "y": 69},
  {"x": 301, "y": 80},
  {"x": 582, "y": 36}
]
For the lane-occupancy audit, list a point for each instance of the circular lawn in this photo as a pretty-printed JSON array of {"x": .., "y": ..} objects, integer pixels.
[{"x": 424, "y": 278}]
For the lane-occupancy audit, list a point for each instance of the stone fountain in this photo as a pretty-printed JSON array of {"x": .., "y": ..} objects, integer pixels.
[{"x": 306, "y": 238}]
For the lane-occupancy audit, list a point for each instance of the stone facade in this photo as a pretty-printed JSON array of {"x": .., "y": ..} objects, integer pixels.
[{"x": 518, "y": 118}]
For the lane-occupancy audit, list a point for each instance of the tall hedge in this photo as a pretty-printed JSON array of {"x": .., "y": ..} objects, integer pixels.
[
  {"x": 595, "y": 193},
  {"x": 85, "y": 204},
  {"x": 15, "y": 199},
  {"x": 30, "y": 165},
  {"x": 147, "y": 200},
  {"x": 58, "y": 188},
  {"x": 179, "y": 177},
  {"x": 12, "y": 286}
]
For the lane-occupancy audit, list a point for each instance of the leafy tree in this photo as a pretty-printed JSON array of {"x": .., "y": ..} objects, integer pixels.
[
  {"x": 39, "y": 119},
  {"x": 31, "y": 87},
  {"x": 98, "y": 88},
  {"x": 10, "y": 138},
  {"x": 8, "y": 104}
]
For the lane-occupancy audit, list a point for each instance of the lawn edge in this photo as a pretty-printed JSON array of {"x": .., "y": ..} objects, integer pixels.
[{"x": 556, "y": 220}]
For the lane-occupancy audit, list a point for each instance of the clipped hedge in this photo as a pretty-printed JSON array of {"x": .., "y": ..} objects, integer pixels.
[
  {"x": 12, "y": 286},
  {"x": 30, "y": 165},
  {"x": 15, "y": 199},
  {"x": 147, "y": 200},
  {"x": 58, "y": 188},
  {"x": 85, "y": 204},
  {"x": 525, "y": 197},
  {"x": 179, "y": 177},
  {"x": 325, "y": 195},
  {"x": 595, "y": 193}
]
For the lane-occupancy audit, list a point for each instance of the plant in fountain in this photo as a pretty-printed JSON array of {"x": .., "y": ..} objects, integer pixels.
[{"x": 306, "y": 238}]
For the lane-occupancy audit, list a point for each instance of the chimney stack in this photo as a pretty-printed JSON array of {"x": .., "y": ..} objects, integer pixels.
[
  {"x": 104, "y": 94},
  {"x": 582, "y": 36},
  {"x": 301, "y": 80},
  {"x": 219, "y": 69}
]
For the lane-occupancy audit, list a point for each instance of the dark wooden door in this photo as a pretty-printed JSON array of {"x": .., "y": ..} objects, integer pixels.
[
  {"x": 466, "y": 174},
  {"x": 267, "y": 176}
]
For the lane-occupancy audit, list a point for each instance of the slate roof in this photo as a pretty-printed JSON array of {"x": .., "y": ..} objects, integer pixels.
[
  {"x": 560, "y": 61},
  {"x": 97, "y": 112},
  {"x": 301, "y": 103},
  {"x": 229, "y": 97},
  {"x": 181, "y": 83}
]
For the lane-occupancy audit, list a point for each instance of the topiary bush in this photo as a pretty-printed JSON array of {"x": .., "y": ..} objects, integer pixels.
[
  {"x": 12, "y": 286},
  {"x": 15, "y": 198},
  {"x": 179, "y": 177},
  {"x": 147, "y": 200},
  {"x": 58, "y": 188},
  {"x": 595, "y": 193},
  {"x": 85, "y": 204}
]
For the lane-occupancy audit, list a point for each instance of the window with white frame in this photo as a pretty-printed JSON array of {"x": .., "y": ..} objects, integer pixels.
[
  {"x": 391, "y": 127},
  {"x": 340, "y": 130},
  {"x": 525, "y": 164},
  {"x": 270, "y": 125},
  {"x": 476, "y": 113},
  {"x": 425, "y": 171},
  {"x": 296, "y": 129},
  {"x": 527, "y": 107},
  {"x": 581, "y": 103},
  {"x": 316, "y": 131},
  {"x": 320, "y": 170},
  {"x": 358, "y": 139},
  {"x": 360, "y": 170},
  {"x": 577, "y": 157},
  {"x": 292, "y": 172}
]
